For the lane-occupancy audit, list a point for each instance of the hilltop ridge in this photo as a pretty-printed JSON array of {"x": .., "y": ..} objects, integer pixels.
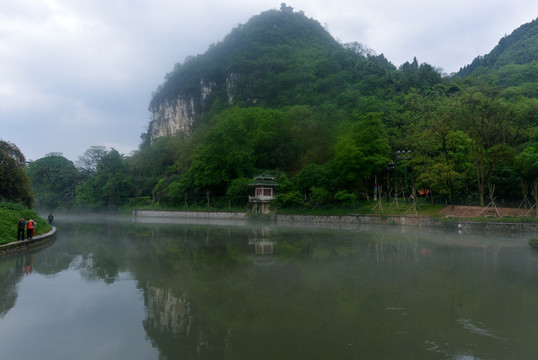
[{"x": 518, "y": 48}]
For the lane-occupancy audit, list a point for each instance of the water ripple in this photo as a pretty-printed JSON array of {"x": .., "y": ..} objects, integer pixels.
[{"x": 477, "y": 329}]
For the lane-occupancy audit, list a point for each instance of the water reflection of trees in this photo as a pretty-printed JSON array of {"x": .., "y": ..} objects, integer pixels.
[
  {"x": 221, "y": 303},
  {"x": 206, "y": 294},
  {"x": 11, "y": 271}
]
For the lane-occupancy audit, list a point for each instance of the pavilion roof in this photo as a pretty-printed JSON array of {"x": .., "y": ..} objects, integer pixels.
[
  {"x": 264, "y": 180},
  {"x": 263, "y": 183}
]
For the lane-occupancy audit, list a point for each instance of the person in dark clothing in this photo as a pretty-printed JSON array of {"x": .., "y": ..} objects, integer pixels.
[
  {"x": 20, "y": 229},
  {"x": 50, "y": 218}
]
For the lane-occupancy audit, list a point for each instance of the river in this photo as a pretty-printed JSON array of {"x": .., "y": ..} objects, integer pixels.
[{"x": 109, "y": 288}]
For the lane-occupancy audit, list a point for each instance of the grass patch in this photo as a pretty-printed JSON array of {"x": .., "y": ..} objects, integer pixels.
[
  {"x": 506, "y": 219},
  {"x": 10, "y": 215}
]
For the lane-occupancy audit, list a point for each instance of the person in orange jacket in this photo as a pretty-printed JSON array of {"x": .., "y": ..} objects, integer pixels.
[{"x": 30, "y": 225}]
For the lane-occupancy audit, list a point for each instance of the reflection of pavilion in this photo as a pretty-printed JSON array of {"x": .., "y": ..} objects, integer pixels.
[{"x": 264, "y": 249}]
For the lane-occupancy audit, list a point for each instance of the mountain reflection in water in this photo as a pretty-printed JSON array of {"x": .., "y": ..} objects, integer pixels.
[{"x": 111, "y": 288}]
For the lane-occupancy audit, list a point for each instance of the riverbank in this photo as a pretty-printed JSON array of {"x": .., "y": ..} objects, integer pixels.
[
  {"x": 23, "y": 246},
  {"x": 447, "y": 222},
  {"x": 10, "y": 214}
]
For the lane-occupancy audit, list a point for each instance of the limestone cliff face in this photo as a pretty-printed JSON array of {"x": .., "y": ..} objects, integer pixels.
[
  {"x": 179, "y": 115},
  {"x": 171, "y": 117}
]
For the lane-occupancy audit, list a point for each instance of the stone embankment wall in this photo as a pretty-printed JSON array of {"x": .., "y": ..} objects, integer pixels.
[
  {"x": 22, "y": 246},
  {"x": 189, "y": 214},
  {"x": 411, "y": 220},
  {"x": 359, "y": 219}
]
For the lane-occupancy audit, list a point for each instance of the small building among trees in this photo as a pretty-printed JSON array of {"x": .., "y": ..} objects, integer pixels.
[{"x": 264, "y": 193}]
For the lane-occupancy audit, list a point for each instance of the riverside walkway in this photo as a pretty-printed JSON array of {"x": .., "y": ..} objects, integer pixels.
[{"x": 21, "y": 246}]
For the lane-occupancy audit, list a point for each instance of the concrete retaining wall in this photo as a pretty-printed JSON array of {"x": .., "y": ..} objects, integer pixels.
[
  {"x": 189, "y": 214},
  {"x": 411, "y": 220},
  {"x": 22, "y": 246},
  {"x": 415, "y": 221},
  {"x": 359, "y": 219}
]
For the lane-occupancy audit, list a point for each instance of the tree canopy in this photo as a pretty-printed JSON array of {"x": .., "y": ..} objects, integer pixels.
[
  {"x": 14, "y": 183},
  {"x": 54, "y": 179}
]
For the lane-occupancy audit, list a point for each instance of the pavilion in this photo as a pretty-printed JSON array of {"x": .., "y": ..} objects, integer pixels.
[{"x": 264, "y": 193}]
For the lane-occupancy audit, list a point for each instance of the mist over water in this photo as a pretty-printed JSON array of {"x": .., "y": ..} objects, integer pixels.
[{"x": 111, "y": 288}]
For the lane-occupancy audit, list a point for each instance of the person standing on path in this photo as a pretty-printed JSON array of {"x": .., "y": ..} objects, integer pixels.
[
  {"x": 21, "y": 226},
  {"x": 30, "y": 229}
]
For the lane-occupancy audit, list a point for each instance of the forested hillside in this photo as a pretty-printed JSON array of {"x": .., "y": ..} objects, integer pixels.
[
  {"x": 278, "y": 59},
  {"x": 331, "y": 121},
  {"x": 518, "y": 48}
]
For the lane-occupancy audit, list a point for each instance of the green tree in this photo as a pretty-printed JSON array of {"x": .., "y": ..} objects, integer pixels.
[
  {"x": 363, "y": 152},
  {"x": 292, "y": 199},
  {"x": 241, "y": 141},
  {"x": 488, "y": 122},
  {"x": 527, "y": 163},
  {"x": 180, "y": 189},
  {"x": 109, "y": 186},
  {"x": 14, "y": 183},
  {"x": 87, "y": 163},
  {"x": 310, "y": 176},
  {"x": 527, "y": 167},
  {"x": 320, "y": 196},
  {"x": 442, "y": 158},
  {"x": 152, "y": 161},
  {"x": 274, "y": 143},
  {"x": 54, "y": 179},
  {"x": 238, "y": 191},
  {"x": 311, "y": 129}
]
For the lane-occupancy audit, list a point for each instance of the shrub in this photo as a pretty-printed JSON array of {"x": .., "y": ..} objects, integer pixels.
[
  {"x": 239, "y": 190},
  {"x": 345, "y": 197},
  {"x": 290, "y": 199},
  {"x": 320, "y": 196}
]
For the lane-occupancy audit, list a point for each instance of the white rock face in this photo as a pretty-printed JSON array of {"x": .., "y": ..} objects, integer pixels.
[
  {"x": 230, "y": 87},
  {"x": 178, "y": 115},
  {"x": 172, "y": 117}
]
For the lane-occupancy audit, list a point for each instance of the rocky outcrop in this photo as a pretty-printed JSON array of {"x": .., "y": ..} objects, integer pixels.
[
  {"x": 178, "y": 115},
  {"x": 171, "y": 117}
]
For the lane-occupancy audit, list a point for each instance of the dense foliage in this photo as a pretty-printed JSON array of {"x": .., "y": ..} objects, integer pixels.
[
  {"x": 332, "y": 122},
  {"x": 14, "y": 183},
  {"x": 54, "y": 179}
]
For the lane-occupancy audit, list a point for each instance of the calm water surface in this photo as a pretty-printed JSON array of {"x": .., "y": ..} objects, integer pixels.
[{"x": 116, "y": 289}]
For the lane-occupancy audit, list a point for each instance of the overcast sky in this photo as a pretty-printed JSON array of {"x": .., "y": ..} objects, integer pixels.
[{"x": 78, "y": 73}]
